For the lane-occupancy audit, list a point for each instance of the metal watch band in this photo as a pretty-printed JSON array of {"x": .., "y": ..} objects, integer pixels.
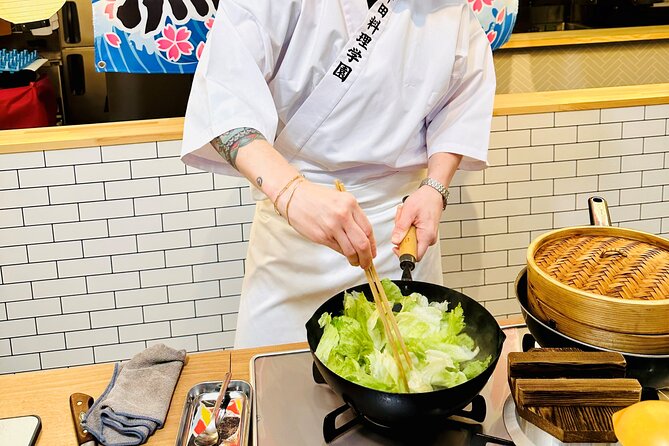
[{"x": 436, "y": 185}]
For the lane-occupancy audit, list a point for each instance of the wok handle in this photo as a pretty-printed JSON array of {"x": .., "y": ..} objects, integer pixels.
[
  {"x": 330, "y": 431},
  {"x": 409, "y": 245},
  {"x": 408, "y": 249},
  {"x": 318, "y": 378},
  {"x": 599, "y": 212}
]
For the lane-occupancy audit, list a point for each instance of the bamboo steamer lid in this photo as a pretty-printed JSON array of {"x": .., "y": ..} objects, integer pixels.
[{"x": 603, "y": 285}]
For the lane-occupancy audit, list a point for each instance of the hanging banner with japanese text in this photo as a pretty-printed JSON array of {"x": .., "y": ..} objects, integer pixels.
[{"x": 151, "y": 36}]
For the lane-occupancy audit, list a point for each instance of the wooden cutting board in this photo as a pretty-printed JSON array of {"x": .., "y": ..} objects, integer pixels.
[{"x": 571, "y": 394}]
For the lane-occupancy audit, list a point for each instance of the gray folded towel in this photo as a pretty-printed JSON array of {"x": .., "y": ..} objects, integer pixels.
[{"x": 137, "y": 399}]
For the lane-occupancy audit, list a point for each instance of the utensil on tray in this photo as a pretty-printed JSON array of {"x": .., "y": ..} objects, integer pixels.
[
  {"x": 210, "y": 435},
  {"x": 223, "y": 396},
  {"x": 235, "y": 422},
  {"x": 387, "y": 317}
]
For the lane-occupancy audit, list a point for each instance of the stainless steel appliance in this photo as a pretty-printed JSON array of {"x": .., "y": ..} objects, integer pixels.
[
  {"x": 84, "y": 90},
  {"x": 90, "y": 96},
  {"x": 559, "y": 15}
]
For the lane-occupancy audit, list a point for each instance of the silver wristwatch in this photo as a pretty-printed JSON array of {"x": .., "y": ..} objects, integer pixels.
[{"x": 438, "y": 187}]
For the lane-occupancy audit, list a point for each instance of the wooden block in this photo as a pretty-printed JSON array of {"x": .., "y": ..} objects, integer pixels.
[
  {"x": 555, "y": 349},
  {"x": 573, "y": 424},
  {"x": 541, "y": 363},
  {"x": 571, "y": 394},
  {"x": 576, "y": 392}
]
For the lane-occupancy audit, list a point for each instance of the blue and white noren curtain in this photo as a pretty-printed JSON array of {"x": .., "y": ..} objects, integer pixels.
[
  {"x": 497, "y": 17},
  {"x": 167, "y": 36},
  {"x": 151, "y": 36}
]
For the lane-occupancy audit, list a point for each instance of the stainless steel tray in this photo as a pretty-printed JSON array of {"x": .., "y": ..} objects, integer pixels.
[{"x": 206, "y": 393}]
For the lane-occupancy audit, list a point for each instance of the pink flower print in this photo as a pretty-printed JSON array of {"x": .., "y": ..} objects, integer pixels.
[
  {"x": 209, "y": 23},
  {"x": 492, "y": 35},
  {"x": 198, "y": 51},
  {"x": 175, "y": 42},
  {"x": 109, "y": 9},
  {"x": 478, "y": 4},
  {"x": 501, "y": 15},
  {"x": 113, "y": 39}
]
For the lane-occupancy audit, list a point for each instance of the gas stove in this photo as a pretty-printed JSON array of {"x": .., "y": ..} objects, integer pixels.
[{"x": 290, "y": 408}]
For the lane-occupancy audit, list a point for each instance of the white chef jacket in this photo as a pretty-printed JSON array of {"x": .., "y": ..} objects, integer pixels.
[{"x": 364, "y": 95}]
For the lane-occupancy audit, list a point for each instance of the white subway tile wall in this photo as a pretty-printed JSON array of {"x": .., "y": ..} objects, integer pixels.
[{"x": 107, "y": 250}]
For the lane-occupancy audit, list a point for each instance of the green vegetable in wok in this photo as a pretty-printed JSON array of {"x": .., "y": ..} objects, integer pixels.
[{"x": 354, "y": 344}]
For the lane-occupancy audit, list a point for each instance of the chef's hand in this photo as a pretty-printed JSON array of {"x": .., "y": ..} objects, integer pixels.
[
  {"x": 334, "y": 219},
  {"x": 422, "y": 209}
]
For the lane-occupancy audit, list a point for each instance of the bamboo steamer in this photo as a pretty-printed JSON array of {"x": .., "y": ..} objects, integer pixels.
[{"x": 602, "y": 285}]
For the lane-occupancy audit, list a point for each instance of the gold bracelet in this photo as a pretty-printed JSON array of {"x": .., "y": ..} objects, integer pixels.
[
  {"x": 290, "y": 198},
  {"x": 285, "y": 188}
]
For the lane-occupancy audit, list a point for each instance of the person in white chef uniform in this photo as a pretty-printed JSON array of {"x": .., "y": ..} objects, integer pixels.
[{"x": 390, "y": 97}]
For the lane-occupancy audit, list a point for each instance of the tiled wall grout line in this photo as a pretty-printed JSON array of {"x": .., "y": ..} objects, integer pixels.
[{"x": 164, "y": 244}]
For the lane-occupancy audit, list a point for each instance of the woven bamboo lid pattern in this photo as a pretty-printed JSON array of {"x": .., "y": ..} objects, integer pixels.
[{"x": 609, "y": 266}]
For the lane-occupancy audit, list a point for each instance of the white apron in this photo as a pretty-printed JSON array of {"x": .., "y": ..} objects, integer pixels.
[
  {"x": 288, "y": 277},
  {"x": 339, "y": 114}
]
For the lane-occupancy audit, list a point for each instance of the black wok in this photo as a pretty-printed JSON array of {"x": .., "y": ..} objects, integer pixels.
[
  {"x": 393, "y": 409},
  {"x": 651, "y": 370}
]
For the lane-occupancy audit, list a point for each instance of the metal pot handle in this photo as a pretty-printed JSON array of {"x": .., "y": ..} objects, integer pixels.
[
  {"x": 330, "y": 429},
  {"x": 599, "y": 212}
]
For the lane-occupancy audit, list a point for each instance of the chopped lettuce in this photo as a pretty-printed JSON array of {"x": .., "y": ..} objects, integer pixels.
[{"x": 354, "y": 344}]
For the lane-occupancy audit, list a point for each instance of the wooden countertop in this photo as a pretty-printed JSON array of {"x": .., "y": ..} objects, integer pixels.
[
  {"x": 90, "y": 135},
  {"x": 46, "y": 393},
  {"x": 587, "y": 36},
  {"x": 585, "y": 99},
  {"x": 105, "y": 134}
]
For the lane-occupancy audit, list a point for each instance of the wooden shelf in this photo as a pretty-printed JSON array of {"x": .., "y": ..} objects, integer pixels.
[
  {"x": 129, "y": 132},
  {"x": 587, "y": 36},
  {"x": 585, "y": 99},
  {"x": 90, "y": 135}
]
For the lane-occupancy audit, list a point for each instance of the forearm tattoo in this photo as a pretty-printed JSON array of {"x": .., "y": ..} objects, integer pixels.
[{"x": 229, "y": 143}]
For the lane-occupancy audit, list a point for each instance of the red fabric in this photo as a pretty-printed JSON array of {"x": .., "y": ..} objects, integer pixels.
[{"x": 30, "y": 106}]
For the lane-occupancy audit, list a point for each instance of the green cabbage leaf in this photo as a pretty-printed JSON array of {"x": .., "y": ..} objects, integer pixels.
[{"x": 355, "y": 347}]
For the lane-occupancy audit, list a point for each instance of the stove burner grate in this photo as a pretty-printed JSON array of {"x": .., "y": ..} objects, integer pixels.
[{"x": 477, "y": 413}]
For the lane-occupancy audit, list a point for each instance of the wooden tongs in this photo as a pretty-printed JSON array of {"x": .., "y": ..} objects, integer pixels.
[{"x": 386, "y": 315}]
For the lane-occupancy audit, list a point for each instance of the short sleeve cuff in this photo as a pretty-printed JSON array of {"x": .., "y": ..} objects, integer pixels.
[{"x": 473, "y": 158}]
